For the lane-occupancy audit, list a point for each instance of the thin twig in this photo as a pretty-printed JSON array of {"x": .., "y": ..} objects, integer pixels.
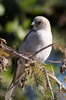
[
  {"x": 13, "y": 53},
  {"x": 51, "y": 61},
  {"x": 54, "y": 78},
  {"x": 42, "y": 49},
  {"x": 49, "y": 84},
  {"x": 57, "y": 81}
]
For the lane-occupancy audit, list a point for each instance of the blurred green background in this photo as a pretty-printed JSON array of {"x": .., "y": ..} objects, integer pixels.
[{"x": 15, "y": 19}]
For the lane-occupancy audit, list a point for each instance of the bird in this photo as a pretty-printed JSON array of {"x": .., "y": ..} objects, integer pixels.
[{"x": 39, "y": 36}]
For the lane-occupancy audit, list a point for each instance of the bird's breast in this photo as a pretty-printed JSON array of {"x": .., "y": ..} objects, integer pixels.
[{"x": 35, "y": 42}]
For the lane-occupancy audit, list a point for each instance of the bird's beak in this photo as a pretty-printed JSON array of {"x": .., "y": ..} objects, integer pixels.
[{"x": 33, "y": 23}]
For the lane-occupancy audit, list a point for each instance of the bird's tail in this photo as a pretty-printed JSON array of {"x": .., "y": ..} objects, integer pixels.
[{"x": 10, "y": 93}]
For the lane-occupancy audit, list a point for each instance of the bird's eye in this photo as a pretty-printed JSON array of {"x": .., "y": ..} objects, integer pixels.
[{"x": 38, "y": 22}]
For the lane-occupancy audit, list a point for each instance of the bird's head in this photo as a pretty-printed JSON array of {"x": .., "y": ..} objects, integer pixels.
[{"x": 40, "y": 22}]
